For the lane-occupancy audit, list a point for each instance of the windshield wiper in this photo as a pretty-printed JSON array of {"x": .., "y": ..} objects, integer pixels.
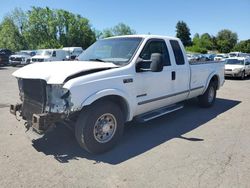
[{"x": 100, "y": 60}]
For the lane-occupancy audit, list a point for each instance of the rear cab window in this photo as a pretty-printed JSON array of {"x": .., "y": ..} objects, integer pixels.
[{"x": 178, "y": 53}]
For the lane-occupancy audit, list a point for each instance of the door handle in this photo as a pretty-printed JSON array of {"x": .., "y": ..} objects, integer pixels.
[{"x": 173, "y": 75}]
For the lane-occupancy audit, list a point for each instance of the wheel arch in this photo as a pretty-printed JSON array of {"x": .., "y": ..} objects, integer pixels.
[
  {"x": 114, "y": 95},
  {"x": 213, "y": 77}
]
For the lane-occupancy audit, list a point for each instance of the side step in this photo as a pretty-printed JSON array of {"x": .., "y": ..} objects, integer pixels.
[{"x": 158, "y": 112}]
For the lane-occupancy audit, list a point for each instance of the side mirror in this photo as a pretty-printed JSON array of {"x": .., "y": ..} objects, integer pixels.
[
  {"x": 156, "y": 62},
  {"x": 143, "y": 65}
]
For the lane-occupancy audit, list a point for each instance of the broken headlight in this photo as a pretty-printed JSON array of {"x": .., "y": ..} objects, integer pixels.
[{"x": 58, "y": 99}]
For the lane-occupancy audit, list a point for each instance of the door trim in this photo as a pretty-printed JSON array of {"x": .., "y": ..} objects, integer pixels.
[{"x": 167, "y": 96}]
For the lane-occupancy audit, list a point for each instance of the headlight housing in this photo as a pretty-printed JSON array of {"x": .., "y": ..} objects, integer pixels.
[
  {"x": 237, "y": 70},
  {"x": 58, "y": 99}
]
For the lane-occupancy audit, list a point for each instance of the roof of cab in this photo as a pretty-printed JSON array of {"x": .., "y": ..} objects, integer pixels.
[{"x": 146, "y": 36}]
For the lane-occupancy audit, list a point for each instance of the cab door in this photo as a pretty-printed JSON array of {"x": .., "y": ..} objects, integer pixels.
[{"x": 154, "y": 89}]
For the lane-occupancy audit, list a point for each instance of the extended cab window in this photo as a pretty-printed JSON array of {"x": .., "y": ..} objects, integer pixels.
[
  {"x": 179, "y": 58},
  {"x": 156, "y": 46}
]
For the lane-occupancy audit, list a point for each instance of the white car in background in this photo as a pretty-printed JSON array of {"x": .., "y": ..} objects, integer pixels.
[
  {"x": 237, "y": 67},
  {"x": 21, "y": 58},
  {"x": 72, "y": 52},
  {"x": 46, "y": 55},
  {"x": 237, "y": 54},
  {"x": 220, "y": 57}
]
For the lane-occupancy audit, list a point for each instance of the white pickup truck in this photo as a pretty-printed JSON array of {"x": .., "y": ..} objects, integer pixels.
[{"x": 116, "y": 80}]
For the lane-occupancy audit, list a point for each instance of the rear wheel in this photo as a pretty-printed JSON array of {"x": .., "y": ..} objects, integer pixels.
[
  {"x": 99, "y": 127},
  {"x": 208, "y": 98}
]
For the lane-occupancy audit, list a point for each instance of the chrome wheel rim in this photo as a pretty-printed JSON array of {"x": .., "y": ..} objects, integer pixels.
[
  {"x": 105, "y": 128},
  {"x": 211, "y": 94}
]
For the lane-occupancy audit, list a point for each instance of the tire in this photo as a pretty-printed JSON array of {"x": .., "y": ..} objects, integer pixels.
[
  {"x": 242, "y": 76},
  {"x": 99, "y": 127},
  {"x": 207, "y": 99}
]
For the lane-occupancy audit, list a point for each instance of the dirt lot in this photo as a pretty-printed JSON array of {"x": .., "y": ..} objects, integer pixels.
[{"x": 193, "y": 147}]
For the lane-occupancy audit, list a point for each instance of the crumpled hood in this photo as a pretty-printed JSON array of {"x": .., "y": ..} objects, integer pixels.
[
  {"x": 227, "y": 66},
  {"x": 56, "y": 72}
]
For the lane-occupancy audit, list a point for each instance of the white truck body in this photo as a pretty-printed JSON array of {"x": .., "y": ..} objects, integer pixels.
[
  {"x": 72, "y": 52},
  {"x": 46, "y": 55},
  {"x": 141, "y": 91}
]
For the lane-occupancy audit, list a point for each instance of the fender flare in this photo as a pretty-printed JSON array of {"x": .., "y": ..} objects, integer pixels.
[
  {"x": 107, "y": 92},
  {"x": 209, "y": 79}
]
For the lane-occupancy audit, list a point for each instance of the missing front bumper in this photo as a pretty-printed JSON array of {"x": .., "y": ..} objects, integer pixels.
[
  {"x": 15, "y": 108},
  {"x": 39, "y": 122},
  {"x": 42, "y": 122}
]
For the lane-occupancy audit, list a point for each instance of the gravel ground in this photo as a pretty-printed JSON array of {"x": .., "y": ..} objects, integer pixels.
[{"x": 193, "y": 147}]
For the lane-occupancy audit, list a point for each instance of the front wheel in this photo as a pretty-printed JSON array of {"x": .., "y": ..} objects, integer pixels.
[
  {"x": 242, "y": 76},
  {"x": 99, "y": 127},
  {"x": 207, "y": 99}
]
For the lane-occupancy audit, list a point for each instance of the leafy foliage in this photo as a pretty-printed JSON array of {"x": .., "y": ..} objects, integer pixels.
[
  {"x": 119, "y": 29},
  {"x": 183, "y": 33},
  {"x": 226, "y": 40},
  {"x": 45, "y": 28},
  {"x": 10, "y": 36},
  {"x": 243, "y": 46}
]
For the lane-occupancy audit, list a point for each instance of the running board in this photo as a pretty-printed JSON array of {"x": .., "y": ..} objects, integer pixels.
[{"x": 158, "y": 112}]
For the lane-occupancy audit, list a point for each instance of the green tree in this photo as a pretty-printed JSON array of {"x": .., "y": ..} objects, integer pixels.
[
  {"x": 41, "y": 31},
  {"x": 74, "y": 30},
  {"x": 183, "y": 33},
  {"x": 48, "y": 28},
  {"x": 226, "y": 40},
  {"x": 198, "y": 44},
  {"x": 196, "y": 39},
  {"x": 10, "y": 36},
  {"x": 117, "y": 30},
  {"x": 206, "y": 41},
  {"x": 107, "y": 33},
  {"x": 123, "y": 29},
  {"x": 243, "y": 46},
  {"x": 19, "y": 18}
]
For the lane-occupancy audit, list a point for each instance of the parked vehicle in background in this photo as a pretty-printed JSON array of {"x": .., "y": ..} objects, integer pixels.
[
  {"x": 4, "y": 56},
  {"x": 210, "y": 57},
  {"x": 237, "y": 67},
  {"x": 116, "y": 80},
  {"x": 237, "y": 54},
  {"x": 21, "y": 58},
  {"x": 190, "y": 57},
  {"x": 45, "y": 55},
  {"x": 220, "y": 57},
  {"x": 72, "y": 52}
]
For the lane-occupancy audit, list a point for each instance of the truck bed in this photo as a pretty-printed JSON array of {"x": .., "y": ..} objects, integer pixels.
[{"x": 201, "y": 71}]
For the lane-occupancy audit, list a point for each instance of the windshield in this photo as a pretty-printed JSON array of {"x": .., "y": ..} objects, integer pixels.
[
  {"x": 235, "y": 62},
  {"x": 115, "y": 50},
  {"x": 44, "y": 52}
]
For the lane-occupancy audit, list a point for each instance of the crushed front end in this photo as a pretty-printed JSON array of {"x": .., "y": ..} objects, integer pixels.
[{"x": 42, "y": 104}]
